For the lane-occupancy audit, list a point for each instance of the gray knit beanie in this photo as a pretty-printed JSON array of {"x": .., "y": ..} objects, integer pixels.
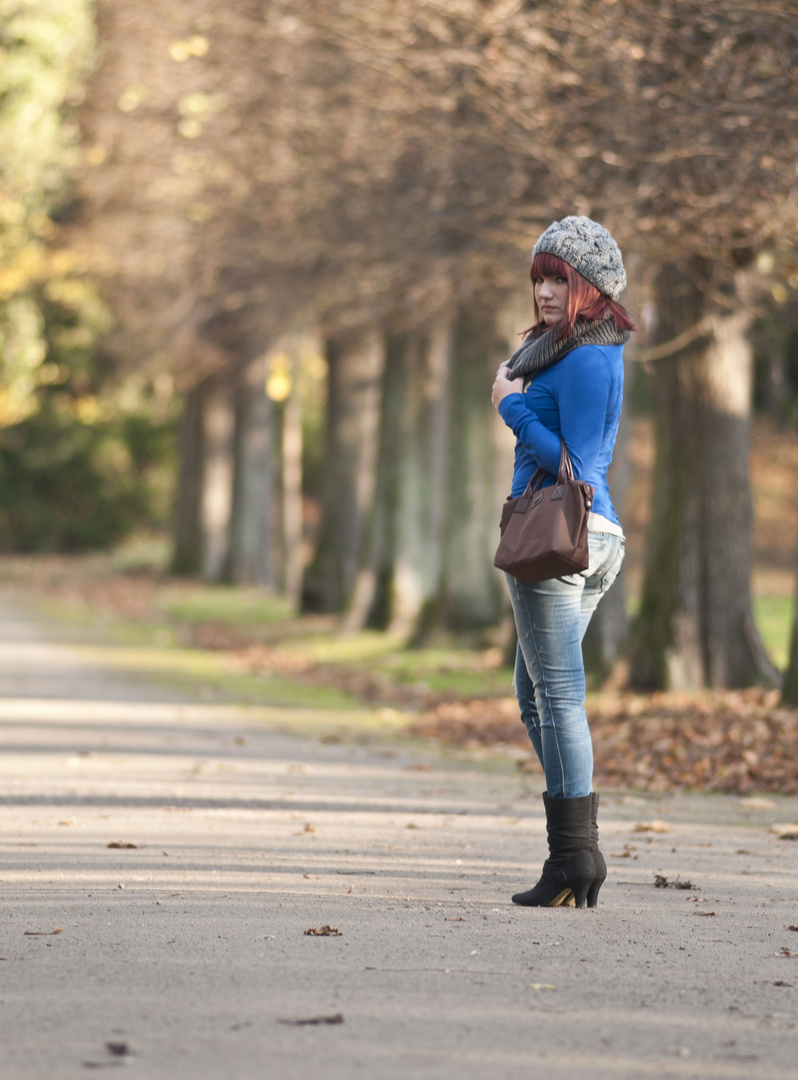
[{"x": 589, "y": 249}]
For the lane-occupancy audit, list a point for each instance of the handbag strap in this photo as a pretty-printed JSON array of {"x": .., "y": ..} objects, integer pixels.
[
  {"x": 565, "y": 472},
  {"x": 566, "y": 469}
]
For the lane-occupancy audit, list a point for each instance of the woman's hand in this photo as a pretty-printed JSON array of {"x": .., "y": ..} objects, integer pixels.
[{"x": 504, "y": 385}]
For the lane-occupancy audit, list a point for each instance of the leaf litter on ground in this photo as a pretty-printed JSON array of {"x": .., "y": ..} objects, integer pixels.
[{"x": 738, "y": 741}]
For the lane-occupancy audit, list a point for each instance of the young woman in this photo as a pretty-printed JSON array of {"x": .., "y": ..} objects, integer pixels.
[{"x": 566, "y": 381}]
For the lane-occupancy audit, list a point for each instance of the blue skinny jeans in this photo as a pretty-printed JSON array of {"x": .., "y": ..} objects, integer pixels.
[{"x": 551, "y": 618}]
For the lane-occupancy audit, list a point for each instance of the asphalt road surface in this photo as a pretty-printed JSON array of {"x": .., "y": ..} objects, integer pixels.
[{"x": 163, "y": 860}]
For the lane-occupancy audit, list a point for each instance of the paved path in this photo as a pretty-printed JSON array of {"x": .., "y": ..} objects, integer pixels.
[{"x": 183, "y": 953}]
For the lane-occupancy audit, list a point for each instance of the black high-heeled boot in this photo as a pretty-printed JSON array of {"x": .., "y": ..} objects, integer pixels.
[
  {"x": 598, "y": 858},
  {"x": 570, "y": 870}
]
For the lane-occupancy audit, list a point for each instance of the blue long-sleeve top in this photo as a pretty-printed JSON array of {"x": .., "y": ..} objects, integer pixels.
[{"x": 579, "y": 399}]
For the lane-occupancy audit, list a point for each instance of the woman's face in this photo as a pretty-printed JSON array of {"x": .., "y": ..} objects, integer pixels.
[{"x": 551, "y": 296}]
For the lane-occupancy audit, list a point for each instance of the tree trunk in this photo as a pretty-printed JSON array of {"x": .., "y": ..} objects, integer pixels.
[
  {"x": 187, "y": 554},
  {"x": 218, "y": 441},
  {"x": 472, "y": 593},
  {"x": 777, "y": 385},
  {"x": 372, "y": 599},
  {"x": 695, "y": 627},
  {"x": 789, "y": 691},
  {"x": 291, "y": 446},
  {"x": 400, "y": 583},
  {"x": 251, "y": 559},
  {"x": 355, "y": 362},
  {"x": 418, "y": 574}
]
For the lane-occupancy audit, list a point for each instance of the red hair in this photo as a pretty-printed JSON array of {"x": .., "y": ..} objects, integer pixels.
[{"x": 584, "y": 300}]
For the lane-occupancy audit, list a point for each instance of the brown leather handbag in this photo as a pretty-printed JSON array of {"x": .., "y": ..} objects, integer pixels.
[{"x": 544, "y": 531}]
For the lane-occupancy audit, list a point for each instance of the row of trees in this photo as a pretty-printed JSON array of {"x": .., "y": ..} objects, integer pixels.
[{"x": 373, "y": 177}]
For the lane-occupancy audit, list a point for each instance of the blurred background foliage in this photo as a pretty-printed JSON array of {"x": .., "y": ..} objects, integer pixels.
[
  {"x": 82, "y": 463},
  {"x": 258, "y": 265}
]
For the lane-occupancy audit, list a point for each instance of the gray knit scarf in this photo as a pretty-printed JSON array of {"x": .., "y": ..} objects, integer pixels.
[{"x": 537, "y": 353}]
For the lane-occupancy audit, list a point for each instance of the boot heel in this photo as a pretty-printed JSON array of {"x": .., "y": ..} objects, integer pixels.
[
  {"x": 593, "y": 891},
  {"x": 580, "y": 896},
  {"x": 582, "y": 888}
]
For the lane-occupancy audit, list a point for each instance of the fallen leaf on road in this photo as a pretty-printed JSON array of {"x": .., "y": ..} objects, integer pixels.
[
  {"x": 43, "y": 933},
  {"x": 326, "y": 931},
  {"x": 792, "y": 927},
  {"x": 705, "y": 914},
  {"x": 780, "y": 982},
  {"x": 455, "y": 918},
  {"x": 310, "y": 827},
  {"x": 786, "y": 952},
  {"x": 652, "y": 826},
  {"x": 350, "y": 890},
  {"x": 542, "y": 986},
  {"x": 661, "y": 882},
  {"x": 785, "y": 830},
  {"x": 120, "y": 844},
  {"x": 336, "y": 1018},
  {"x": 118, "y": 1049}
]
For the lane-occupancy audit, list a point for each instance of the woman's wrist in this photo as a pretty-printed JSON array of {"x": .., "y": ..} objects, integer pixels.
[{"x": 503, "y": 386}]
